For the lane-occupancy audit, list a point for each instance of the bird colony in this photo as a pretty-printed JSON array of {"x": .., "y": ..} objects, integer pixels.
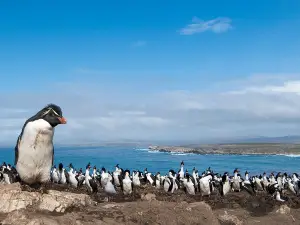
[{"x": 205, "y": 184}]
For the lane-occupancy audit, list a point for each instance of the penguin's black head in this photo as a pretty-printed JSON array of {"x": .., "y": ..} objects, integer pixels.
[
  {"x": 246, "y": 173},
  {"x": 236, "y": 171},
  {"x": 52, "y": 114},
  {"x": 278, "y": 175},
  {"x": 224, "y": 177},
  {"x": 117, "y": 166},
  {"x": 182, "y": 163},
  {"x": 95, "y": 167},
  {"x": 172, "y": 172},
  {"x": 71, "y": 165},
  {"x": 60, "y": 166},
  {"x": 103, "y": 169}
]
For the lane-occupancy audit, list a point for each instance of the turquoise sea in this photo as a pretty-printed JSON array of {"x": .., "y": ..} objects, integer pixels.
[{"x": 141, "y": 158}]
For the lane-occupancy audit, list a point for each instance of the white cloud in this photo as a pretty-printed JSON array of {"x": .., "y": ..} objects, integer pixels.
[
  {"x": 218, "y": 25},
  {"x": 256, "y": 106},
  {"x": 139, "y": 43},
  {"x": 287, "y": 87}
]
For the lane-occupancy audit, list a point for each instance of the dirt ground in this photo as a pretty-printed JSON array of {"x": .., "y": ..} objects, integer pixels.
[{"x": 177, "y": 208}]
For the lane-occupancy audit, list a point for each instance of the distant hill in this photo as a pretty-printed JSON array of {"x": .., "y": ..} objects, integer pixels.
[
  {"x": 292, "y": 139},
  {"x": 284, "y": 139}
]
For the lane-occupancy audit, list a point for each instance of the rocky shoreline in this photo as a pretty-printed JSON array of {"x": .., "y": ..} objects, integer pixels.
[
  {"x": 233, "y": 149},
  {"x": 147, "y": 205}
]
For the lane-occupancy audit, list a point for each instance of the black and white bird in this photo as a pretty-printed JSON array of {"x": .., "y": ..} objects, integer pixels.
[
  {"x": 170, "y": 183},
  {"x": 248, "y": 184},
  {"x": 54, "y": 175},
  {"x": 236, "y": 181},
  {"x": 157, "y": 180},
  {"x": 116, "y": 176},
  {"x": 206, "y": 184},
  {"x": 89, "y": 181},
  {"x": 136, "y": 178},
  {"x": 34, "y": 150},
  {"x": 62, "y": 174},
  {"x": 80, "y": 176},
  {"x": 225, "y": 185},
  {"x": 150, "y": 179},
  {"x": 126, "y": 184},
  {"x": 181, "y": 171},
  {"x": 9, "y": 174},
  {"x": 72, "y": 179},
  {"x": 189, "y": 184}
]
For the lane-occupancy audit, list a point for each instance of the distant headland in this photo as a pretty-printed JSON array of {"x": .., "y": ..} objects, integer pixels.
[{"x": 234, "y": 149}]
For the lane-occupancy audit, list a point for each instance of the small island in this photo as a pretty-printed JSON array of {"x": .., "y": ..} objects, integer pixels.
[{"x": 234, "y": 149}]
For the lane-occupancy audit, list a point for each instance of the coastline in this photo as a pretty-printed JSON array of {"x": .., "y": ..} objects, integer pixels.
[{"x": 233, "y": 149}]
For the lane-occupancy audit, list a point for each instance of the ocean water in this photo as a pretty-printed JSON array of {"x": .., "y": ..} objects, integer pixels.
[{"x": 139, "y": 159}]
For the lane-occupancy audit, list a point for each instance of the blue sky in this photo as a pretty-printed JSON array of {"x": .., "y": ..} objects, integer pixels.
[{"x": 131, "y": 57}]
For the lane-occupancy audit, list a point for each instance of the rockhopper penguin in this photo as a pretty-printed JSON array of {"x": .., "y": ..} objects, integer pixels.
[{"x": 34, "y": 152}]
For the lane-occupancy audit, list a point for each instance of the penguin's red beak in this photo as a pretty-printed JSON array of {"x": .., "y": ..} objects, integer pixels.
[{"x": 62, "y": 120}]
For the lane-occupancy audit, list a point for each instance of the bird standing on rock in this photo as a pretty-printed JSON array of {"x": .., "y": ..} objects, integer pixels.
[{"x": 34, "y": 151}]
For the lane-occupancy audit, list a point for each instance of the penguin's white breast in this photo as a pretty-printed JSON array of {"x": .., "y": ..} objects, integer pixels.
[{"x": 36, "y": 143}]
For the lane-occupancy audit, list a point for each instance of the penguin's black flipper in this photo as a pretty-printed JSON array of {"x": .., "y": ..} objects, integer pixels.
[
  {"x": 17, "y": 149},
  {"x": 19, "y": 138},
  {"x": 210, "y": 186},
  {"x": 263, "y": 186},
  {"x": 177, "y": 182},
  {"x": 154, "y": 180},
  {"x": 52, "y": 156},
  {"x": 193, "y": 180},
  {"x": 121, "y": 184},
  {"x": 80, "y": 182},
  {"x": 221, "y": 188},
  {"x": 171, "y": 185},
  {"x": 67, "y": 176},
  {"x": 249, "y": 188},
  {"x": 93, "y": 185}
]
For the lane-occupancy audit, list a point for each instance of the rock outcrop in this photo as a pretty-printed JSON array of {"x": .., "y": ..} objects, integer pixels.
[
  {"x": 13, "y": 198},
  {"x": 55, "y": 207},
  {"x": 233, "y": 149}
]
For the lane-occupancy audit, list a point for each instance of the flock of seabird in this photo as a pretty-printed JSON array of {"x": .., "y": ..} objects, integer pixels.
[
  {"x": 193, "y": 183},
  {"x": 34, "y": 157}
]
